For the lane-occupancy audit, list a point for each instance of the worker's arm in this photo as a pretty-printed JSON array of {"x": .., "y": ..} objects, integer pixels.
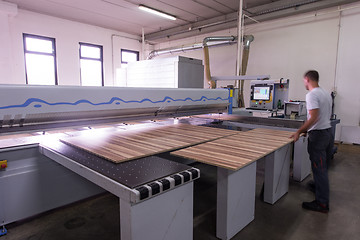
[{"x": 314, "y": 115}]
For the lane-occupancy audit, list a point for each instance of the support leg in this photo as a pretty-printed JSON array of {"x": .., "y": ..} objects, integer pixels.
[
  {"x": 277, "y": 169},
  {"x": 235, "y": 200},
  {"x": 302, "y": 165},
  {"x": 168, "y": 216}
]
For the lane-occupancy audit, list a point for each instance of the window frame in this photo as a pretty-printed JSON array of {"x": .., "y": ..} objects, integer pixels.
[
  {"x": 53, "y": 41},
  {"x": 95, "y": 59},
  {"x": 129, "y": 51}
]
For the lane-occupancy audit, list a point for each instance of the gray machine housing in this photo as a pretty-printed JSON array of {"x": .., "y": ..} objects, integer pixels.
[{"x": 33, "y": 181}]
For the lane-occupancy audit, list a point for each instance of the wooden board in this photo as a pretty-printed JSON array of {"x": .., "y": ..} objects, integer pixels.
[
  {"x": 222, "y": 116},
  {"x": 15, "y": 136},
  {"x": 272, "y": 132},
  {"x": 124, "y": 145},
  {"x": 269, "y": 135},
  {"x": 236, "y": 151},
  {"x": 14, "y": 140},
  {"x": 21, "y": 139}
]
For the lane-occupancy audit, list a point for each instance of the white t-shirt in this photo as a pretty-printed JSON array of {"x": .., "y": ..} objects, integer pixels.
[{"x": 318, "y": 98}]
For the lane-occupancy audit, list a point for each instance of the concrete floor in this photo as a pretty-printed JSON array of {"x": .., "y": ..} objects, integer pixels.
[{"x": 98, "y": 218}]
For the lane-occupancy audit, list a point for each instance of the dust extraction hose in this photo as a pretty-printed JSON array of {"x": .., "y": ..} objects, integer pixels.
[
  {"x": 245, "y": 58},
  {"x": 211, "y": 82}
]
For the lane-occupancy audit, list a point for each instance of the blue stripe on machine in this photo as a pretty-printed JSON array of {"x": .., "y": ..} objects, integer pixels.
[{"x": 115, "y": 100}]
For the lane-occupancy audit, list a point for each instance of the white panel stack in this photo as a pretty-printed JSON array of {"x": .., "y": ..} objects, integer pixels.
[{"x": 173, "y": 72}]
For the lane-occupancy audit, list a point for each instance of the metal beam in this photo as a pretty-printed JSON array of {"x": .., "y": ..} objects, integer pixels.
[
  {"x": 230, "y": 20},
  {"x": 311, "y": 7},
  {"x": 196, "y": 27},
  {"x": 277, "y": 5},
  {"x": 243, "y": 77}
]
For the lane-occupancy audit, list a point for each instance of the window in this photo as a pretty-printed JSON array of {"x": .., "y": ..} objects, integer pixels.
[
  {"x": 40, "y": 60},
  {"x": 91, "y": 65},
  {"x": 128, "y": 56}
]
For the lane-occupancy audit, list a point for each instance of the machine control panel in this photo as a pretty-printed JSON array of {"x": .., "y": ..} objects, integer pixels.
[
  {"x": 269, "y": 94},
  {"x": 261, "y": 96}
]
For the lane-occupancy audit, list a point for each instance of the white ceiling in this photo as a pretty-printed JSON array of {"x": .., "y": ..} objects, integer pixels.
[{"x": 124, "y": 15}]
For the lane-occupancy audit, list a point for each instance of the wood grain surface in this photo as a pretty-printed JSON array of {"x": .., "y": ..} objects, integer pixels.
[
  {"x": 236, "y": 151},
  {"x": 15, "y": 136},
  {"x": 223, "y": 116},
  {"x": 124, "y": 145}
]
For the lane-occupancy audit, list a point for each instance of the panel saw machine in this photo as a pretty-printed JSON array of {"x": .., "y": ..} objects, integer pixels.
[{"x": 40, "y": 173}]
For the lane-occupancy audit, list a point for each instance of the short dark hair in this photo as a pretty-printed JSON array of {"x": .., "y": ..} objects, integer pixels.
[{"x": 312, "y": 75}]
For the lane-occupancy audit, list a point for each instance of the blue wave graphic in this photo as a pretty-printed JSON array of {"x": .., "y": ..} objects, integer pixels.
[{"x": 117, "y": 101}]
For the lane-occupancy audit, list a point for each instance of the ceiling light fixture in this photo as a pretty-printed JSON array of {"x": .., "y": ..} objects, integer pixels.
[{"x": 156, "y": 12}]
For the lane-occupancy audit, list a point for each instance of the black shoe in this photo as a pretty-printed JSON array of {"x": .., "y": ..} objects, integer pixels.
[
  {"x": 311, "y": 186},
  {"x": 316, "y": 206}
]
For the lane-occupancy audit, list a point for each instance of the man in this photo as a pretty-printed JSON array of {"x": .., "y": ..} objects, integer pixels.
[{"x": 318, "y": 104}]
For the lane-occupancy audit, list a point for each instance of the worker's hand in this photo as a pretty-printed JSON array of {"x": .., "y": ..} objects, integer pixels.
[{"x": 295, "y": 136}]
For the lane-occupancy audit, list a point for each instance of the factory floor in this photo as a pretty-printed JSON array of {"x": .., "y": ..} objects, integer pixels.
[{"x": 98, "y": 217}]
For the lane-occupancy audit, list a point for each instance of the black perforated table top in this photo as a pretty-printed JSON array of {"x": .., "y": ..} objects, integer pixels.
[{"x": 131, "y": 173}]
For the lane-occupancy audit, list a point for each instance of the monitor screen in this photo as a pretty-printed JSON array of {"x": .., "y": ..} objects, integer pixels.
[{"x": 262, "y": 93}]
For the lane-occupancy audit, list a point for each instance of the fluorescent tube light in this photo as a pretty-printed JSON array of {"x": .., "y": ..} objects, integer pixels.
[{"x": 156, "y": 12}]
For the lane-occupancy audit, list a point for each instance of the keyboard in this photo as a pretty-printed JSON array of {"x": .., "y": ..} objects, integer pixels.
[{"x": 250, "y": 108}]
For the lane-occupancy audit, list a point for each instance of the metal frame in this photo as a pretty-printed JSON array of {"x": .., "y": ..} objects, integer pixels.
[
  {"x": 242, "y": 77},
  {"x": 168, "y": 215}
]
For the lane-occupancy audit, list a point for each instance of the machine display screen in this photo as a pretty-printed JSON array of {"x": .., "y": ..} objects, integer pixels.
[{"x": 262, "y": 93}]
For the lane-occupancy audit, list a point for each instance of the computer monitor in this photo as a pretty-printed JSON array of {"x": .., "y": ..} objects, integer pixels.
[{"x": 261, "y": 93}]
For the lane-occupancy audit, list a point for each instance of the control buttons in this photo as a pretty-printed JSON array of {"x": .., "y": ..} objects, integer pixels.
[{"x": 3, "y": 164}]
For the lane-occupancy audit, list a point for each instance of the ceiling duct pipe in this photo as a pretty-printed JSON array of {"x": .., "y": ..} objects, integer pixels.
[
  {"x": 245, "y": 59},
  {"x": 184, "y": 48},
  {"x": 165, "y": 51},
  {"x": 212, "y": 83}
]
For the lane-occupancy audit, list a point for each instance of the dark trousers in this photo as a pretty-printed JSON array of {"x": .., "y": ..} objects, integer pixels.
[{"x": 320, "y": 151}]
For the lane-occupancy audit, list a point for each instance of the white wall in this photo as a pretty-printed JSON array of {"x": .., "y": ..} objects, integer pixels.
[
  {"x": 292, "y": 48},
  {"x": 348, "y": 70},
  {"x": 68, "y": 34},
  {"x": 6, "y": 10},
  {"x": 289, "y": 47}
]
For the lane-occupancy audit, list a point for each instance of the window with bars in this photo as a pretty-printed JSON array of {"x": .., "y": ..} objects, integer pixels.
[
  {"x": 40, "y": 60},
  {"x": 91, "y": 65}
]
